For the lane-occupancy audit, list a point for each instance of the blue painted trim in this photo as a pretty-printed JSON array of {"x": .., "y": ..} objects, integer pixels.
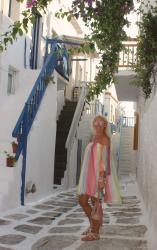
[
  {"x": 29, "y": 112},
  {"x": 52, "y": 61},
  {"x": 24, "y": 153}
]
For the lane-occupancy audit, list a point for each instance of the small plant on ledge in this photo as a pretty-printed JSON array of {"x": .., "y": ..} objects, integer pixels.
[
  {"x": 14, "y": 147},
  {"x": 49, "y": 79},
  {"x": 10, "y": 160}
]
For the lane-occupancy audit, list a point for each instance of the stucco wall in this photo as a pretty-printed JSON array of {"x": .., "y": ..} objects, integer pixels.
[
  {"x": 147, "y": 156},
  {"x": 41, "y": 147}
]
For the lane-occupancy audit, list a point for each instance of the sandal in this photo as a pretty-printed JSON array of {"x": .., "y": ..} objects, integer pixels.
[
  {"x": 87, "y": 231},
  {"x": 91, "y": 237}
]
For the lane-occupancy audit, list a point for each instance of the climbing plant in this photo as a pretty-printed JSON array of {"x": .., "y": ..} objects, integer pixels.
[
  {"x": 18, "y": 28},
  {"x": 105, "y": 19},
  {"x": 147, "y": 50}
]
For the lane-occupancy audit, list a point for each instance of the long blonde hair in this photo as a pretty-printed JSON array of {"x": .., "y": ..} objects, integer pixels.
[{"x": 107, "y": 129}]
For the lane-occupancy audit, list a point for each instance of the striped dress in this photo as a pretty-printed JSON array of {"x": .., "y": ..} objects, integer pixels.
[{"x": 98, "y": 158}]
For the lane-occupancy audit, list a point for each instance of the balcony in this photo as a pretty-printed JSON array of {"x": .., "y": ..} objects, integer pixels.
[
  {"x": 126, "y": 74},
  {"x": 128, "y": 56}
]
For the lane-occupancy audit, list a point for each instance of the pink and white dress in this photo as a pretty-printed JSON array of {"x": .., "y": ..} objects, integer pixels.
[{"x": 98, "y": 158}]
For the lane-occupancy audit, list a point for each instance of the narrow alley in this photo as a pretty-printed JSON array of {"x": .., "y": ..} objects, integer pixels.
[
  {"x": 78, "y": 106},
  {"x": 57, "y": 223}
]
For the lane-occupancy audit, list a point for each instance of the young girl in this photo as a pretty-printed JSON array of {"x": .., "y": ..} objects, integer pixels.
[{"x": 95, "y": 175}]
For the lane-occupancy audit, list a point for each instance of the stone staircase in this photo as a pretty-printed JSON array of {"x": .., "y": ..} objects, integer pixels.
[
  {"x": 127, "y": 154},
  {"x": 63, "y": 127}
]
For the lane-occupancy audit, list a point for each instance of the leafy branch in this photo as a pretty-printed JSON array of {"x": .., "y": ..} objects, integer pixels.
[
  {"x": 147, "y": 49},
  {"x": 106, "y": 21},
  {"x": 18, "y": 28}
]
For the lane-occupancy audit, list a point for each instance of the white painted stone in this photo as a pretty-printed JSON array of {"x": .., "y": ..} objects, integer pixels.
[{"x": 147, "y": 157}]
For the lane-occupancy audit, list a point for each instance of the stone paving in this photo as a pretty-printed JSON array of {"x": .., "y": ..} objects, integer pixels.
[{"x": 57, "y": 223}]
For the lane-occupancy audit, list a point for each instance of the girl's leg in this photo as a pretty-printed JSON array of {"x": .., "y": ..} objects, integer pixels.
[
  {"x": 83, "y": 201},
  {"x": 95, "y": 226},
  {"x": 95, "y": 223}
]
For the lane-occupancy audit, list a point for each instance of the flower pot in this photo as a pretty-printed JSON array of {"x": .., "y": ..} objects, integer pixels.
[
  {"x": 9, "y": 162},
  {"x": 14, "y": 147}
]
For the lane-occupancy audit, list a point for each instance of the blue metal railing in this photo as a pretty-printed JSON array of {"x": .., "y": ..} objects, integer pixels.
[{"x": 33, "y": 102}]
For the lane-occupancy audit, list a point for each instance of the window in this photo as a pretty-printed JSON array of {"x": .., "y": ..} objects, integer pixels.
[
  {"x": 11, "y": 81},
  {"x": 35, "y": 46}
]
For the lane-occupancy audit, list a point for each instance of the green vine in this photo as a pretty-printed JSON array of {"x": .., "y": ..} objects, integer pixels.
[
  {"x": 19, "y": 28},
  {"x": 106, "y": 20},
  {"x": 147, "y": 51}
]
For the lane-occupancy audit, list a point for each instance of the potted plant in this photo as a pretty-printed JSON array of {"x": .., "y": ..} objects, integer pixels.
[
  {"x": 14, "y": 147},
  {"x": 10, "y": 160},
  {"x": 48, "y": 79}
]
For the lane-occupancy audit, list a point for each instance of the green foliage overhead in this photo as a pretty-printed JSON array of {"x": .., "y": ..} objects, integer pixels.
[
  {"x": 147, "y": 50},
  {"x": 18, "y": 28},
  {"x": 106, "y": 21}
]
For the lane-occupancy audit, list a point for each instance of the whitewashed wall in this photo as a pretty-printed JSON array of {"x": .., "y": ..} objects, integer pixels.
[
  {"x": 12, "y": 58},
  {"x": 41, "y": 147},
  {"x": 41, "y": 140},
  {"x": 14, "y": 55},
  {"x": 147, "y": 157},
  {"x": 40, "y": 154},
  {"x": 10, "y": 184},
  {"x": 108, "y": 98}
]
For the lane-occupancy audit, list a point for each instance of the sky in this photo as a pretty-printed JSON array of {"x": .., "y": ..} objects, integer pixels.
[
  {"x": 129, "y": 108},
  {"x": 132, "y": 31}
]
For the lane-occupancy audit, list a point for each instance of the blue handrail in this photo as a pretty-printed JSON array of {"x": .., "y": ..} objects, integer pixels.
[{"x": 33, "y": 102}]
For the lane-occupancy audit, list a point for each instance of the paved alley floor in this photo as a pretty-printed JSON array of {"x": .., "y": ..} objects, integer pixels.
[{"x": 57, "y": 223}]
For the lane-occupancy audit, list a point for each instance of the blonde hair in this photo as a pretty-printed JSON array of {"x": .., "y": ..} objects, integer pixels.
[{"x": 107, "y": 129}]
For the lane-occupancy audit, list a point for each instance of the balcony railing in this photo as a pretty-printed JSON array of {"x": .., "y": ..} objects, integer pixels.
[
  {"x": 128, "y": 56},
  {"x": 128, "y": 122}
]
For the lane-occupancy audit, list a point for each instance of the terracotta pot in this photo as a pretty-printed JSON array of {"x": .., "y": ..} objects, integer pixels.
[
  {"x": 14, "y": 147},
  {"x": 9, "y": 162}
]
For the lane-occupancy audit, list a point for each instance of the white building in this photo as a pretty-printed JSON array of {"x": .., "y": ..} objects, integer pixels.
[
  {"x": 145, "y": 141},
  {"x": 111, "y": 104},
  {"x": 20, "y": 66}
]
